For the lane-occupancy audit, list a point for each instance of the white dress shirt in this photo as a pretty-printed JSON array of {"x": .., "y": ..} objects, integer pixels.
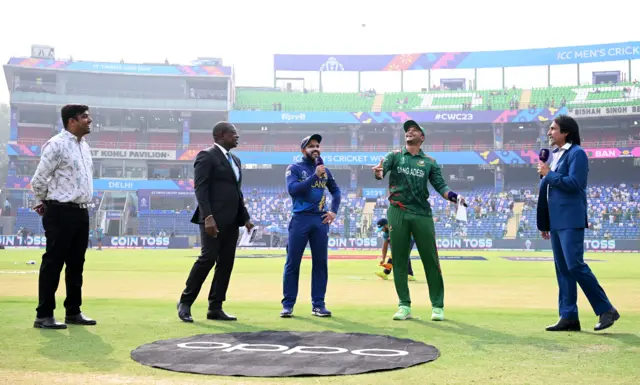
[
  {"x": 65, "y": 171},
  {"x": 234, "y": 166},
  {"x": 557, "y": 154}
]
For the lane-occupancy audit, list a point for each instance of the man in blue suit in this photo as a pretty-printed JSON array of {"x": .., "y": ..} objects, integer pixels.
[{"x": 562, "y": 217}]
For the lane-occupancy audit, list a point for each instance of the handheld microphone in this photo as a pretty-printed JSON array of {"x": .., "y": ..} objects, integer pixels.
[
  {"x": 543, "y": 156},
  {"x": 320, "y": 162}
]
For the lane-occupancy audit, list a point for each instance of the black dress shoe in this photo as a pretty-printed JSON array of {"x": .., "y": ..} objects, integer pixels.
[
  {"x": 220, "y": 315},
  {"x": 184, "y": 312},
  {"x": 79, "y": 319},
  {"x": 48, "y": 323},
  {"x": 607, "y": 319},
  {"x": 565, "y": 325}
]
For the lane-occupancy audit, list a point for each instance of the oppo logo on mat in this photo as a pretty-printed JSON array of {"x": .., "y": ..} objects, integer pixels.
[{"x": 228, "y": 348}]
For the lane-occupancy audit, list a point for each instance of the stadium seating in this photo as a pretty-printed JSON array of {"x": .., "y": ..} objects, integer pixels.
[
  {"x": 570, "y": 96},
  {"x": 272, "y": 208},
  {"x": 613, "y": 213},
  {"x": 105, "y": 139},
  {"x": 29, "y": 220},
  {"x": 269, "y": 207},
  {"x": 450, "y": 100},
  {"x": 621, "y": 94},
  {"x": 302, "y": 102},
  {"x": 178, "y": 222},
  {"x": 490, "y": 222},
  {"x": 34, "y": 136}
]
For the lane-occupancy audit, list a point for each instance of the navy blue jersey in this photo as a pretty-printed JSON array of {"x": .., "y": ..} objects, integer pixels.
[
  {"x": 385, "y": 236},
  {"x": 308, "y": 190}
]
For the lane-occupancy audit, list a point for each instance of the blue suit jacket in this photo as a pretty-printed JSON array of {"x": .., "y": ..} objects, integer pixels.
[{"x": 566, "y": 207}]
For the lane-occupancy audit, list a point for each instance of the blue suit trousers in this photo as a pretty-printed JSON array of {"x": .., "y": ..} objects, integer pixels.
[
  {"x": 568, "y": 254},
  {"x": 305, "y": 229}
]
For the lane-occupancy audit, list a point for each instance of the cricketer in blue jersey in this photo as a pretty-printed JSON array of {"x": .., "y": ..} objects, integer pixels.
[
  {"x": 90, "y": 243},
  {"x": 99, "y": 234},
  {"x": 306, "y": 183}
]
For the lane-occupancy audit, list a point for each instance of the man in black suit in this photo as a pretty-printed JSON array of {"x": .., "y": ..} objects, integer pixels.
[{"x": 220, "y": 213}]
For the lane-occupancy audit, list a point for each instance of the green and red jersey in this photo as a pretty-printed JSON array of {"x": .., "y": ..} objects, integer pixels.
[{"x": 409, "y": 180}]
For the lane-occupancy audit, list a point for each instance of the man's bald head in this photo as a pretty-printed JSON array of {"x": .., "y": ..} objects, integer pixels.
[
  {"x": 221, "y": 128},
  {"x": 225, "y": 134}
]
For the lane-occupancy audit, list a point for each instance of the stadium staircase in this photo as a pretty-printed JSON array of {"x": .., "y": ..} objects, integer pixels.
[
  {"x": 525, "y": 98},
  {"x": 378, "y": 101},
  {"x": 514, "y": 221},
  {"x": 367, "y": 211}
]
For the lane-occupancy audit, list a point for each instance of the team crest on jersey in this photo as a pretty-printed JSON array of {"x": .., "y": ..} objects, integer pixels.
[
  {"x": 402, "y": 160},
  {"x": 421, "y": 163},
  {"x": 304, "y": 175}
]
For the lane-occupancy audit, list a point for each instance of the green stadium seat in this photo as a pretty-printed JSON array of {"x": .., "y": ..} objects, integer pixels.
[
  {"x": 574, "y": 97},
  {"x": 298, "y": 101}
]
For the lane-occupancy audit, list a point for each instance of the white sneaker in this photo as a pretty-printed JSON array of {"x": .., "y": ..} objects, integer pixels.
[{"x": 437, "y": 314}]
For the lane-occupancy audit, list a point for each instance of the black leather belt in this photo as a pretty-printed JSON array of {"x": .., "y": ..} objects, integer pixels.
[{"x": 67, "y": 204}]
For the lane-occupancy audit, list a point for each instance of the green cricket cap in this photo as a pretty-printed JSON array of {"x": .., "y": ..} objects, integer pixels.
[{"x": 412, "y": 123}]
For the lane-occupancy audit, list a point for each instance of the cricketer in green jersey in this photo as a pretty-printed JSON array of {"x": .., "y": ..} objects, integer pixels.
[{"x": 410, "y": 171}]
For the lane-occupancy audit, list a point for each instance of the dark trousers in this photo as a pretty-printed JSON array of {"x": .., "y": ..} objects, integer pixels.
[
  {"x": 305, "y": 229},
  {"x": 67, "y": 231},
  {"x": 219, "y": 252},
  {"x": 390, "y": 260},
  {"x": 571, "y": 270}
]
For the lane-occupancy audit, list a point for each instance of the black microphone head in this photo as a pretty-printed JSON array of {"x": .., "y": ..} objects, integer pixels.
[
  {"x": 319, "y": 161},
  {"x": 544, "y": 155}
]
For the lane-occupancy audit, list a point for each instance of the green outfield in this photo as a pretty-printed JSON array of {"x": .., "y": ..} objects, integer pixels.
[{"x": 496, "y": 312}]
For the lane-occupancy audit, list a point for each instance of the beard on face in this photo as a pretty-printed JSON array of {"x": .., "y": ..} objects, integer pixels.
[{"x": 312, "y": 154}]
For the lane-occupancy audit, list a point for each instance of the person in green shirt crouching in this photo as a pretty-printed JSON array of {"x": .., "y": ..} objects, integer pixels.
[{"x": 410, "y": 171}]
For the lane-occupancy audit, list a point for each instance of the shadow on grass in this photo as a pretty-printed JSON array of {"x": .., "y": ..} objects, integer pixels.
[
  {"x": 626, "y": 338},
  {"x": 224, "y": 326},
  {"x": 79, "y": 345},
  {"x": 481, "y": 337},
  {"x": 478, "y": 337},
  {"x": 348, "y": 325}
]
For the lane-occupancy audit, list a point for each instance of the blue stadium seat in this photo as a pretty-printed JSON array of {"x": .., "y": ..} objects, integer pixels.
[
  {"x": 30, "y": 220},
  {"x": 613, "y": 213}
]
